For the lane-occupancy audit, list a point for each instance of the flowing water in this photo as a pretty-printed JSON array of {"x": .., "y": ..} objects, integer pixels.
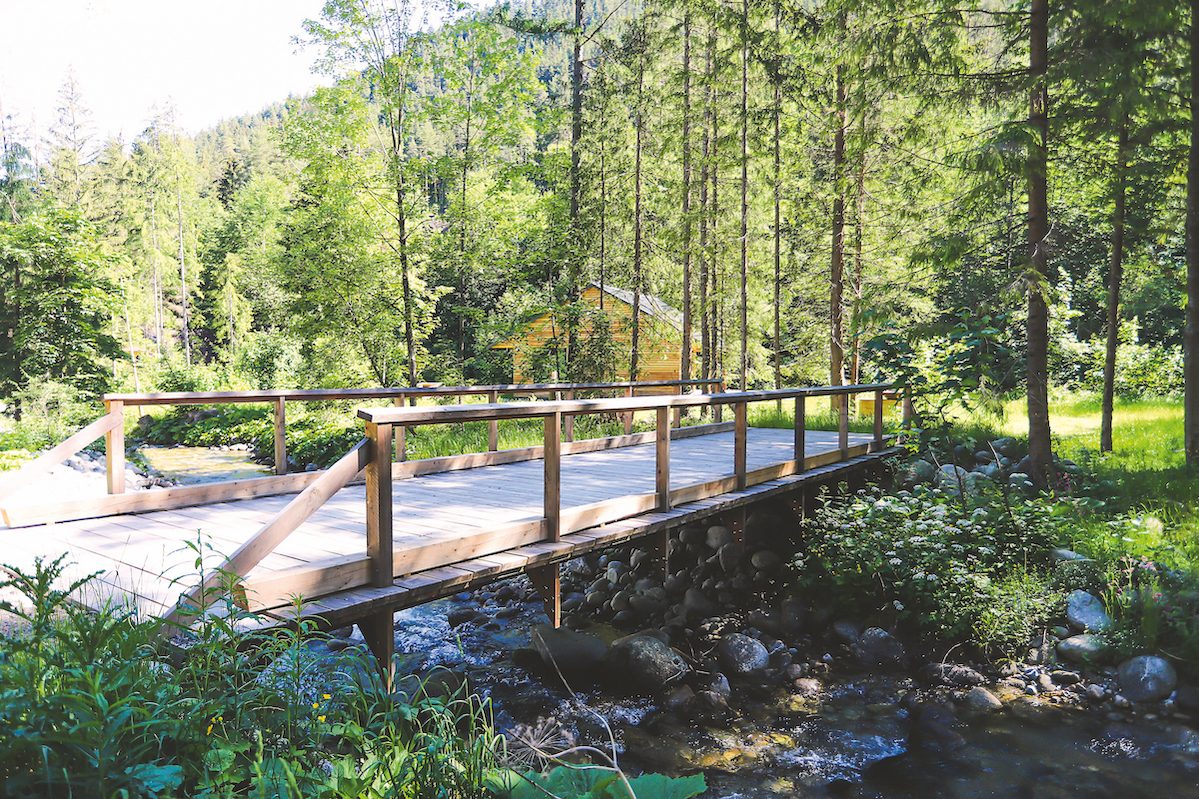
[
  {"x": 186, "y": 465},
  {"x": 849, "y": 741}
]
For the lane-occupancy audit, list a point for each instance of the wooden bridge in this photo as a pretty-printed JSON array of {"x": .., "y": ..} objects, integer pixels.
[{"x": 376, "y": 532}]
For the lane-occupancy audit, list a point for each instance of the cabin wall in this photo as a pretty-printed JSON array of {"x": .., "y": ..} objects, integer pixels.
[{"x": 660, "y": 353}]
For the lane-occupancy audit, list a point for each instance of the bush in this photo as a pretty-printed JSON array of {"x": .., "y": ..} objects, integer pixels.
[
  {"x": 951, "y": 569},
  {"x": 89, "y": 707}
]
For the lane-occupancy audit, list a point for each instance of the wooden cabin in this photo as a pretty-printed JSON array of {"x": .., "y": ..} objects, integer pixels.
[{"x": 660, "y": 337}]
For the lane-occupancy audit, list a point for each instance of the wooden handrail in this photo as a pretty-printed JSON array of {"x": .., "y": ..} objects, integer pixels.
[
  {"x": 445, "y": 414},
  {"x": 333, "y": 394},
  {"x": 60, "y": 452},
  {"x": 280, "y": 526}
]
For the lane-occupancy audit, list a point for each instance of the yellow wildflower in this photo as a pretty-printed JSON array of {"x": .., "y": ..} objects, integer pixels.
[
  {"x": 321, "y": 719},
  {"x": 326, "y": 696}
]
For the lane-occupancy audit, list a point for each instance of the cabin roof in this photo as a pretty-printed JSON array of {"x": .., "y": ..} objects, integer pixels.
[{"x": 651, "y": 306}]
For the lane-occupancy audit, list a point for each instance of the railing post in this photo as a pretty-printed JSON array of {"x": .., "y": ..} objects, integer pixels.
[
  {"x": 280, "y": 435},
  {"x": 878, "y": 419},
  {"x": 662, "y": 454},
  {"x": 628, "y": 417},
  {"x": 719, "y": 410},
  {"x": 740, "y": 433},
  {"x": 401, "y": 434},
  {"x": 801, "y": 423},
  {"x": 843, "y": 427},
  {"x": 569, "y": 421},
  {"x": 493, "y": 426},
  {"x": 552, "y": 481},
  {"x": 377, "y": 628},
  {"x": 114, "y": 448}
]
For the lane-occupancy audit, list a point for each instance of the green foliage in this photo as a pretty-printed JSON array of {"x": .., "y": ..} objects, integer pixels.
[
  {"x": 89, "y": 707},
  {"x": 588, "y": 782},
  {"x": 55, "y": 303},
  {"x": 955, "y": 569}
]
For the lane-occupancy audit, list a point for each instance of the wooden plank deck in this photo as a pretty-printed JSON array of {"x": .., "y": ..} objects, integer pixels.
[{"x": 450, "y": 529}]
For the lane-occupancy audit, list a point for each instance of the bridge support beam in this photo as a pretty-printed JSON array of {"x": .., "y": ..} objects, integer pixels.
[
  {"x": 379, "y": 631},
  {"x": 547, "y": 580}
]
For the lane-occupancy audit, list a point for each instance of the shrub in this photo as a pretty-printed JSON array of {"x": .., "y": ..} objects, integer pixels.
[
  {"x": 88, "y": 707},
  {"x": 958, "y": 570}
]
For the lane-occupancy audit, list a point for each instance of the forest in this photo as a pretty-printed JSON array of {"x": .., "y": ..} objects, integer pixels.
[
  {"x": 825, "y": 191},
  {"x": 994, "y": 204}
]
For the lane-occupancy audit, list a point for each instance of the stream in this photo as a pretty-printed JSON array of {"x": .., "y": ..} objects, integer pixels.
[{"x": 849, "y": 741}]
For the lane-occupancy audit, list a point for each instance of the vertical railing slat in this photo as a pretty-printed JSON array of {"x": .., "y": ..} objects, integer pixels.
[
  {"x": 662, "y": 458},
  {"x": 379, "y": 504},
  {"x": 493, "y": 427},
  {"x": 552, "y": 455},
  {"x": 843, "y": 427},
  {"x": 740, "y": 434},
  {"x": 280, "y": 435},
  {"x": 569, "y": 421},
  {"x": 801, "y": 417},
  {"x": 114, "y": 448}
]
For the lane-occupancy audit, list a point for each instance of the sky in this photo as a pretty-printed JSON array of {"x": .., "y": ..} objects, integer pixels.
[{"x": 209, "y": 60}]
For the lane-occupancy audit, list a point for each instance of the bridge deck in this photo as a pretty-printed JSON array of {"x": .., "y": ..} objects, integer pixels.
[{"x": 147, "y": 560}]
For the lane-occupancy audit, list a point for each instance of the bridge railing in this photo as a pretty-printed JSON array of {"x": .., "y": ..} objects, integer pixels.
[
  {"x": 381, "y": 562},
  {"x": 112, "y": 427}
]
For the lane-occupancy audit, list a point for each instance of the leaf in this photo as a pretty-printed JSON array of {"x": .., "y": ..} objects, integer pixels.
[
  {"x": 154, "y": 778},
  {"x": 659, "y": 786}
]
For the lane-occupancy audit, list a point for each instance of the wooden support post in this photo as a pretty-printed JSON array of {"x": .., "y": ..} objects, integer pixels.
[
  {"x": 553, "y": 475},
  {"x": 547, "y": 580},
  {"x": 909, "y": 413},
  {"x": 401, "y": 435},
  {"x": 493, "y": 426},
  {"x": 719, "y": 411},
  {"x": 878, "y": 419},
  {"x": 843, "y": 427},
  {"x": 662, "y": 455},
  {"x": 377, "y": 628},
  {"x": 801, "y": 423},
  {"x": 280, "y": 436},
  {"x": 569, "y": 421},
  {"x": 628, "y": 417},
  {"x": 676, "y": 417},
  {"x": 658, "y": 545},
  {"x": 114, "y": 448},
  {"x": 740, "y": 434}
]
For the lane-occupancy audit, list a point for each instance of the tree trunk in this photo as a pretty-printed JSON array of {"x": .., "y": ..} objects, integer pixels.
[
  {"x": 836, "y": 365},
  {"x": 1040, "y": 446},
  {"x": 397, "y": 145},
  {"x": 187, "y": 343},
  {"x": 705, "y": 329},
  {"x": 778, "y": 216},
  {"x": 717, "y": 361},
  {"x": 685, "y": 355},
  {"x": 859, "y": 230},
  {"x": 1113, "y": 288},
  {"x": 462, "y": 300},
  {"x": 639, "y": 125},
  {"x": 744, "y": 365},
  {"x": 1191, "y": 330}
]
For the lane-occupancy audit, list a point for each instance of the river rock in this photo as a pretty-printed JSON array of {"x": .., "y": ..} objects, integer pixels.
[
  {"x": 953, "y": 674},
  {"x": 878, "y": 649},
  {"x": 951, "y": 477},
  {"x": 1007, "y": 447},
  {"x": 916, "y": 472},
  {"x": 1081, "y": 648},
  {"x": 459, "y": 616},
  {"x": 697, "y": 604},
  {"x": 570, "y": 651},
  {"x": 1147, "y": 678},
  {"x": 646, "y": 661},
  {"x": 1085, "y": 612},
  {"x": 1188, "y": 698},
  {"x": 730, "y": 557},
  {"x": 847, "y": 631},
  {"x": 742, "y": 655},
  {"x": 981, "y": 700},
  {"x": 766, "y": 560},
  {"x": 717, "y": 537},
  {"x": 1062, "y": 555}
]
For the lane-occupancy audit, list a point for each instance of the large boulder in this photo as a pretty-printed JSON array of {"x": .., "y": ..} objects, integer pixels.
[
  {"x": 878, "y": 649},
  {"x": 1082, "y": 648},
  {"x": 1085, "y": 612},
  {"x": 569, "y": 651},
  {"x": 953, "y": 674},
  {"x": 741, "y": 655},
  {"x": 916, "y": 472},
  {"x": 646, "y": 661},
  {"x": 1147, "y": 678}
]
